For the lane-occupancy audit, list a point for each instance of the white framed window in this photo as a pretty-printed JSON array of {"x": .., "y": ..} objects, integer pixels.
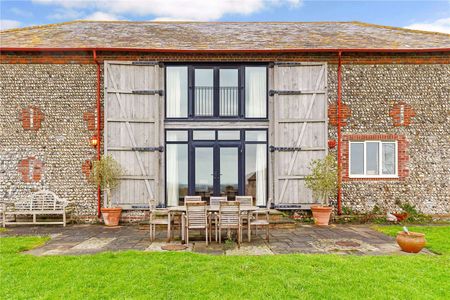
[{"x": 373, "y": 159}]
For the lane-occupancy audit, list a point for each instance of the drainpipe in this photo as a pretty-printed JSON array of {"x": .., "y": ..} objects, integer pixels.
[
  {"x": 99, "y": 138},
  {"x": 339, "y": 149}
]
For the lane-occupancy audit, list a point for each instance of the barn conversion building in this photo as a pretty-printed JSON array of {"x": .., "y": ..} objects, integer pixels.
[{"x": 226, "y": 109}]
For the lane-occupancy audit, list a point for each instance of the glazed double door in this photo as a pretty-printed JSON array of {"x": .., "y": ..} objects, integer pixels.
[{"x": 215, "y": 169}]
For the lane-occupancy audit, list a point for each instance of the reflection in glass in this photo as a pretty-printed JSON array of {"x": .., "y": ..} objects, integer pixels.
[
  {"x": 388, "y": 154},
  {"x": 228, "y": 92},
  {"x": 204, "y": 169},
  {"x": 229, "y": 177},
  {"x": 177, "y": 95},
  {"x": 372, "y": 158},
  {"x": 356, "y": 158},
  {"x": 256, "y": 172},
  {"x": 177, "y": 173},
  {"x": 204, "y": 92}
]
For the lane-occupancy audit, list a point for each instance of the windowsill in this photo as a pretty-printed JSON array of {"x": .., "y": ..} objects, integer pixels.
[{"x": 377, "y": 177}]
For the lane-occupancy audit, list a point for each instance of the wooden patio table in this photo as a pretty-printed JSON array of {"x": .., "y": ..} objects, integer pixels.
[{"x": 173, "y": 210}]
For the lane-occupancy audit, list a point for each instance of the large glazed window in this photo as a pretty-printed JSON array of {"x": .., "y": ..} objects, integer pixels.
[
  {"x": 373, "y": 159},
  {"x": 216, "y": 92},
  {"x": 177, "y": 92},
  {"x": 255, "y": 92}
]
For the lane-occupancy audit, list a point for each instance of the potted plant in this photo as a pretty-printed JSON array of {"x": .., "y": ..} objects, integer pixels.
[
  {"x": 411, "y": 242},
  {"x": 323, "y": 182},
  {"x": 105, "y": 173}
]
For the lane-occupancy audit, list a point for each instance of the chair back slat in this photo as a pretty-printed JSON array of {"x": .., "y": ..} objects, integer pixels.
[
  {"x": 215, "y": 201},
  {"x": 229, "y": 213},
  {"x": 196, "y": 213},
  {"x": 192, "y": 199},
  {"x": 245, "y": 200}
]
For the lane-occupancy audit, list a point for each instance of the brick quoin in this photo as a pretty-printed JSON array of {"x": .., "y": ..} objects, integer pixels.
[
  {"x": 31, "y": 169},
  {"x": 86, "y": 168},
  {"x": 346, "y": 113},
  {"x": 401, "y": 114},
  {"x": 402, "y": 154},
  {"x": 91, "y": 120},
  {"x": 31, "y": 118}
]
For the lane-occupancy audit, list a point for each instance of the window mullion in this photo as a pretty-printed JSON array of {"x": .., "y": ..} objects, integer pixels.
[
  {"x": 380, "y": 158},
  {"x": 364, "y": 158}
]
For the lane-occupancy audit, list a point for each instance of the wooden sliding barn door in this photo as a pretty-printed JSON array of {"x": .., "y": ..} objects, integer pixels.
[
  {"x": 133, "y": 105},
  {"x": 299, "y": 129}
]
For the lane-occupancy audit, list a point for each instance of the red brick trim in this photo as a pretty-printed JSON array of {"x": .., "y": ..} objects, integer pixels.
[
  {"x": 31, "y": 169},
  {"x": 401, "y": 114},
  {"x": 86, "y": 168},
  {"x": 402, "y": 153},
  {"x": 346, "y": 112},
  {"x": 31, "y": 118}
]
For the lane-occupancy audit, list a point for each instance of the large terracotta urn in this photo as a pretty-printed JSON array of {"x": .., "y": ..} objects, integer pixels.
[
  {"x": 111, "y": 216},
  {"x": 411, "y": 242}
]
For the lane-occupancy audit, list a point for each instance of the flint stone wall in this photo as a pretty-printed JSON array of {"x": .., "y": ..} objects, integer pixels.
[
  {"x": 371, "y": 92},
  {"x": 64, "y": 92}
]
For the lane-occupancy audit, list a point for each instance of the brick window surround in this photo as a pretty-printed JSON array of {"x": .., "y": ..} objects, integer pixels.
[{"x": 402, "y": 154}]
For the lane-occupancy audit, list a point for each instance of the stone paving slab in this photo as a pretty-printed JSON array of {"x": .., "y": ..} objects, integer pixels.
[{"x": 336, "y": 239}]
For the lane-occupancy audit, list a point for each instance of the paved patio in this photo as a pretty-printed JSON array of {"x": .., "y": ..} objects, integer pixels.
[{"x": 337, "y": 239}]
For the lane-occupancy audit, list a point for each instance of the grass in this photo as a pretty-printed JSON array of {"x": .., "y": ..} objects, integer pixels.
[
  {"x": 438, "y": 237},
  {"x": 143, "y": 275}
]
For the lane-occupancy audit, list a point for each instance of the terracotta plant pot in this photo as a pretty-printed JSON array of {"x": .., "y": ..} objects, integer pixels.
[
  {"x": 111, "y": 216},
  {"x": 412, "y": 242},
  {"x": 321, "y": 214}
]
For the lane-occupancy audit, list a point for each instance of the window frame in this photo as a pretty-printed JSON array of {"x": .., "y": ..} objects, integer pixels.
[
  {"x": 380, "y": 159},
  {"x": 216, "y": 82},
  {"x": 242, "y": 143}
]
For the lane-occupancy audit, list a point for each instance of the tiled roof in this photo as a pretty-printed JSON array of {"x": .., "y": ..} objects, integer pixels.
[{"x": 221, "y": 36}]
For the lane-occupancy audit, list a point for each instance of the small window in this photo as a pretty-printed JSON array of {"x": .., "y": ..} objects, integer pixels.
[
  {"x": 204, "y": 135},
  {"x": 373, "y": 159},
  {"x": 177, "y": 136},
  {"x": 230, "y": 135},
  {"x": 255, "y": 135},
  {"x": 229, "y": 92}
]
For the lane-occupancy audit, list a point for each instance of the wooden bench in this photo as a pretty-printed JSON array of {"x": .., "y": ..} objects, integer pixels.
[{"x": 39, "y": 203}]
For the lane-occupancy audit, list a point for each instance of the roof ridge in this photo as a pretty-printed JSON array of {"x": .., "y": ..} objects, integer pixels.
[
  {"x": 39, "y": 26},
  {"x": 398, "y": 28}
]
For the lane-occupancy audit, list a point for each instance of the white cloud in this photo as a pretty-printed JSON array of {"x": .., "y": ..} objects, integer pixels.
[
  {"x": 198, "y": 10},
  {"x": 101, "y": 16},
  {"x": 65, "y": 13},
  {"x": 8, "y": 24},
  {"x": 440, "y": 25}
]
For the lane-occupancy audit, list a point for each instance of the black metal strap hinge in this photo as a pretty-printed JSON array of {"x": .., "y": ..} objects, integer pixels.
[
  {"x": 273, "y": 148},
  {"x": 149, "y": 149},
  {"x": 148, "y": 92},
  {"x": 273, "y": 92}
]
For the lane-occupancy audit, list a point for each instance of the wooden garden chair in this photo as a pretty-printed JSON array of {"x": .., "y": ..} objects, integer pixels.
[
  {"x": 159, "y": 216},
  {"x": 215, "y": 202},
  {"x": 230, "y": 218},
  {"x": 245, "y": 201},
  {"x": 196, "y": 217},
  {"x": 256, "y": 220}
]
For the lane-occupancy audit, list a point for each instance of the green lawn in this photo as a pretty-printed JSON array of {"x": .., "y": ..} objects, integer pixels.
[{"x": 142, "y": 275}]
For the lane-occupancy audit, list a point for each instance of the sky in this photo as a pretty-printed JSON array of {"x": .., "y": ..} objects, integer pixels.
[{"x": 423, "y": 15}]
